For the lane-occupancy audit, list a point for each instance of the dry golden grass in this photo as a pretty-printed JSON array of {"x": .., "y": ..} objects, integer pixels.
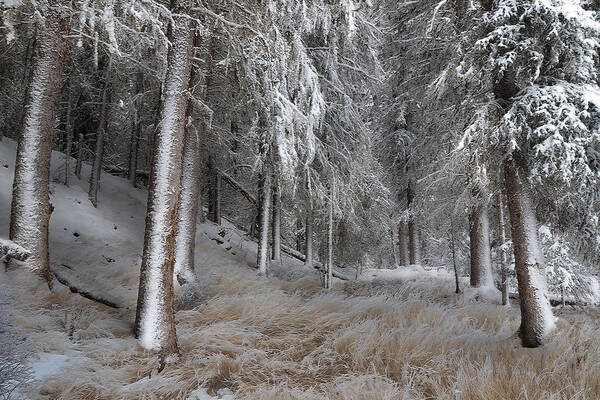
[{"x": 272, "y": 339}]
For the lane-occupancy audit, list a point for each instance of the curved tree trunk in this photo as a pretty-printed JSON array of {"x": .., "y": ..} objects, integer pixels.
[
  {"x": 30, "y": 208},
  {"x": 154, "y": 323},
  {"x": 537, "y": 320},
  {"x": 96, "y": 169},
  {"x": 479, "y": 235}
]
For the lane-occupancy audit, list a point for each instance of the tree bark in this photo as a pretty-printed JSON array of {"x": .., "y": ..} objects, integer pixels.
[
  {"x": 395, "y": 246},
  {"x": 214, "y": 195},
  {"x": 96, "y": 169},
  {"x": 264, "y": 205},
  {"x": 503, "y": 255},
  {"x": 537, "y": 320},
  {"x": 308, "y": 236},
  {"x": 454, "y": 263},
  {"x": 414, "y": 253},
  {"x": 403, "y": 244},
  {"x": 136, "y": 128},
  {"x": 479, "y": 235},
  {"x": 30, "y": 208},
  {"x": 69, "y": 128},
  {"x": 185, "y": 239},
  {"x": 79, "y": 162},
  {"x": 328, "y": 281},
  {"x": 154, "y": 323},
  {"x": 276, "y": 227}
]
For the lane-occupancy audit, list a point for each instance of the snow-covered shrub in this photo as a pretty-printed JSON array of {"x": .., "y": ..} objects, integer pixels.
[
  {"x": 14, "y": 372},
  {"x": 566, "y": 276}
]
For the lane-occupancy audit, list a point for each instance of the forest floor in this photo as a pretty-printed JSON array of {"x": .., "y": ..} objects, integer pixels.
[{"x": 390, "y": 335}]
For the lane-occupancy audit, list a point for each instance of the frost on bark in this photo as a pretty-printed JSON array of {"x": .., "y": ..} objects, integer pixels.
[
  {"x": 537, "y": 320},
  {"x": 276, "y": 226},
  {"x": 308, "y": 236},
  {"x": 264, "y": 206},
  {"x": 503, "y": 255},
  {"x": 69, "y": 128},
  {"x": 136, "y": 128},
  {"x": 214, "y": 193},
  {"x": 79, "y": 161},
  {"x": 328, "y": 275},
  {"x": 154, "y": 323},
  {"x": 185, "y": 240},
  {"x": 414, "y": 251},
  {"x": 30, "y": 208},
  {"x": 96, "y": 169},
  {"x": 403, "y": 240},
  {"x": 479, "y": 235}
]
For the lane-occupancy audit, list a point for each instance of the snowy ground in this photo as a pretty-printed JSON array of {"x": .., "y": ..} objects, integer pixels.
[{"x": 398, "y": 334}]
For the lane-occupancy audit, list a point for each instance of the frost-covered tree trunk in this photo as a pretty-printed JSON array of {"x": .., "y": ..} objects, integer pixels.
[
  {"x": 414, "y": 253},
  {"x": 96, "y": 169},
  {"x": 276, "y": 228},
  {"x": 328, "y": 278},
  {"x": 479, "y": 235},
  {"x": 395, "y": 246},
  {"x": 308, "y": 236},
  {"x": 503, "y": 255},
  {"x": 264, "y": 206},
  {"x": 185, "y": 239},
  {"x": 537, "y": 320},
  {"x": 154, "y": 323},
  {"x": 30, "y": 208},
  {"x": 454, "y": 262},
  {"x": 79, "y": 161},
  {"x": 136, "y": 127},
  {"x": 69, "y": 128},
  {"x": 403, "y": 244},
  {"x": 214, "y": 193}
]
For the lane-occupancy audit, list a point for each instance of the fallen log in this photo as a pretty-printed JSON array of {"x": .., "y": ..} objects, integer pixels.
[
  {"x": 317, "y": 265},
  {"x": 238, "y": 187},
  {"x": 9, "y": 249},
  {"x": 65, "y": 275},
  {"x": 556, "y": 302}
]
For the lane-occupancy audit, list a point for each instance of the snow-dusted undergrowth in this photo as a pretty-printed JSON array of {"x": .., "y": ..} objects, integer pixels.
[{"x": 276, "y": 338}]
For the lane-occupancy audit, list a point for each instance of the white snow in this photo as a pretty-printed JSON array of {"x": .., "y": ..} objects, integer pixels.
[{"x": 201, "y": 394}]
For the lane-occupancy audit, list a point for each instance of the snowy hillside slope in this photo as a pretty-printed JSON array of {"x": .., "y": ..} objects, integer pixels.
[{"x": 247, "y": 337}]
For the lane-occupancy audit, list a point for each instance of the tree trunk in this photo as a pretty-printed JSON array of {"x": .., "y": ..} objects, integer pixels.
[
  {"x": 503, "y": 255},
  {"x": 395, "y": 247},
  {"x": 414, "y": 254},
  {"x": 136, "y": 128},
  {"x": 185, "y": 239},
  {"x": 479, "y": 235},
  {"x": 403, "y": 244},
  {"x": 308, "y": 236},
  {"x": 454, "y": 263},
  {"x": 537, "y": 320},
  {"x": 276, "y": 228},
  {"x": 154, "y": 323},
  {"x": 30, "y": 208},
  {"x": 79, "y": 162},
  {"x": 96, "y": 169},
  {"x": 299, "y": 234},
  {"x": 264, "y": 205},
  {"x": 73, "y": 100},
  {"x": 214, "y": 195},
  {"x": 328, "y": 281}
]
